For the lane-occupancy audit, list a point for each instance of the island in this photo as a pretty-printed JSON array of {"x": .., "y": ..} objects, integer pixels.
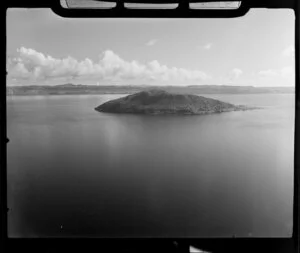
[{"x": 157, "y": 101}]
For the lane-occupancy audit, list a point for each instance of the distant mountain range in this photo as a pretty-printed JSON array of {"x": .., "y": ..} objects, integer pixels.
[{"x": 65, "y": 89}]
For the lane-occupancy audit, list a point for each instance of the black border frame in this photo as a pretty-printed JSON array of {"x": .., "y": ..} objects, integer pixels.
[{"x": 152, "y": 244}]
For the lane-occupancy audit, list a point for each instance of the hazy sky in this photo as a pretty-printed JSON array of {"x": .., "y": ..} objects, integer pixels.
[{"x": 257, "y": 49}]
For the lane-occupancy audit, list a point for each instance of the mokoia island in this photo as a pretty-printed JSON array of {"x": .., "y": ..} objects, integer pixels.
[{"x": 156, "y": 101}]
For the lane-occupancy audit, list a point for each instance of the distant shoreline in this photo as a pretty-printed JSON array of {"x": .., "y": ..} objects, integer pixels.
[
  {"x": 71, "y": 89},
  {"x": 95, "y": 94}
]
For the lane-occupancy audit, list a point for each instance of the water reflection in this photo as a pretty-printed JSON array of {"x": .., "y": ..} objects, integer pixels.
[{"x": 134, "y": 175}]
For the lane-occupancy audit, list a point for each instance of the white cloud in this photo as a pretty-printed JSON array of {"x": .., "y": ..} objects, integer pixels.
[
  {"x": 268, "y": 73},
  {"x": 208, "y": 46},
  {"x": 32, "y": 65},
  {"x": 277, "y": 77},
  {"x": 151, "y": 42},
  {"x": 289, "y": 51},
  {"x": 287, "y": 72},
  {"x": 236, "y": 73}
]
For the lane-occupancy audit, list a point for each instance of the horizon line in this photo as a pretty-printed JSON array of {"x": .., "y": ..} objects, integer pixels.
[{"x": 149, "y": 85}]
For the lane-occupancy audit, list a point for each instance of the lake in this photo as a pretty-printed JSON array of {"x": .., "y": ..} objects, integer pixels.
[{"x": 73, "y": 171}]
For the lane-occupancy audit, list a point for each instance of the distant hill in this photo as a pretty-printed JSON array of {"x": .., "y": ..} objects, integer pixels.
[
  {"x": 157, "y": 101},
  {"x": 69, "y": 88}
]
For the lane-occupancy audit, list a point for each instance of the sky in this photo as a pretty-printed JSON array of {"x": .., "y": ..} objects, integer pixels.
[{"x": 254, "y": 50}]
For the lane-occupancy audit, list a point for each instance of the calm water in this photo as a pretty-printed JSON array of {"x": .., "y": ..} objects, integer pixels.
[{"x": 73, "y": 171}]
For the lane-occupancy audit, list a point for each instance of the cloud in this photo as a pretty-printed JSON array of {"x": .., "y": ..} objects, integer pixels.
[
  {"x": 207, "y": 46},
  {"x": 287, "y": 72},
  {"x": 268, "y": 73},
  {"x": 236, "y": 73},
  {"x": 151, "y": 42},
  {"x": 32, "y": 65},
  {"x": 289, "y": 51}
]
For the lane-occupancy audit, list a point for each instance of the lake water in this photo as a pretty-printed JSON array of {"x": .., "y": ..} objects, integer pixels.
[{"x": 73, "y": 171}]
